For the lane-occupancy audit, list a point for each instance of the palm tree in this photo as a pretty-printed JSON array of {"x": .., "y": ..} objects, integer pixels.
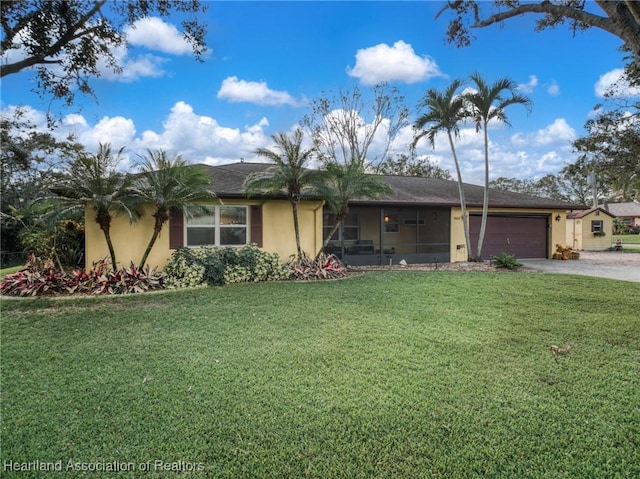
[
  {"x": 92, "y": 180},
  {"x": 488, "y": 103},
  {"x": 169, "y": 184},
  {"x": 445, "y": 111},
  {"x": 289, "y": 173},
  {"x": 342, "y": 182}
]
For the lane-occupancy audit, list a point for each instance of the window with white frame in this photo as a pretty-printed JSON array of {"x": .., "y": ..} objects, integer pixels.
[
  {"x": 596, "y": 226},
  {"x": 216, "y": 225}
]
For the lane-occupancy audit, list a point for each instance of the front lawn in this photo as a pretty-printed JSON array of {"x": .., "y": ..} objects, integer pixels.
[
  {"x": 626, "y": 239},
  {"x": 13, "y": 269},
  {"x": 390, "y": 374}
]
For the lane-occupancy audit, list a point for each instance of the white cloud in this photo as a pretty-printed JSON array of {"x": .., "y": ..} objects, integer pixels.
[
  {"x": 235, "y": 90},
  {"x": 198, "y": 138},
  {"x": 74, "y": 120},
  {"x": 558, "y": 132},
  {"x": 17, "y": 51},
  {"x": 530, "y": 86},
  {"x": 201, "y": 139},
  {"x": 26, "y": 114},
  {"x": 551, "y": 160},
  {"x": 117, "y": 131},
  {"x": 615, "y": 84},
  {"x": 383, "y": 63},
  {"x": 153, "y": 33},
  {"x": 133, "y": 69},
  {"x": 553, "y": 89}
]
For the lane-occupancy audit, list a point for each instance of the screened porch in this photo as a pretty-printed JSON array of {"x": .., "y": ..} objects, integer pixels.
[{"x": 374, "y": 235}]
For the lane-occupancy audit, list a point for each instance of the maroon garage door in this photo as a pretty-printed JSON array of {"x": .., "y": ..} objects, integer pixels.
[{"x": 521, "y": 236}]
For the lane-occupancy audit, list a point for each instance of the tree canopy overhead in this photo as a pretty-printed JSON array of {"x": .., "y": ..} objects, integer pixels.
[
  {"x": 618, "y": 17},
  {"x": 65, "y": 42}
]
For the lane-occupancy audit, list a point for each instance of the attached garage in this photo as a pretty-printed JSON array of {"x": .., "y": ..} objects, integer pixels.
[
  {"x": 524, "y": 236},
  {"x": 420, "y": 220}
]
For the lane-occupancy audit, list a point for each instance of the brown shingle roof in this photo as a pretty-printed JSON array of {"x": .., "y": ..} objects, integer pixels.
[
  {"x": 624, "y": 209},
  {"x": 582, "y": 213},
  {"x": 228, "y": 181}
]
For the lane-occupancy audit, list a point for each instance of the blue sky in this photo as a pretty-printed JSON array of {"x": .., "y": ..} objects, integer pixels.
[{"x": 267, "y": 60}]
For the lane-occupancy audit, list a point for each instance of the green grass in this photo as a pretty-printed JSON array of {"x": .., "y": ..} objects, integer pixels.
[
  {"x": 13, "y": 269},
  {"x": 626, "y": 239},
  {"x": 405, "y": 375}
]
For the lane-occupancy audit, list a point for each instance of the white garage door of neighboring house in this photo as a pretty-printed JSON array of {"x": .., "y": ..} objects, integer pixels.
[{"x": 521, "y": 236}]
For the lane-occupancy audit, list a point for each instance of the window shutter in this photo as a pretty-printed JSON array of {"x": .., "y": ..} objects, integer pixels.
[
  {"x": 256, "y": 224},
  {"x": 176, "y": 229}
]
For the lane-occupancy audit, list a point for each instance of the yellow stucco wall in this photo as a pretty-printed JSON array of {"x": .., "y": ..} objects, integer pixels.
[
  {"x": 579, "y": 234},
  {"x": 130, "y": 240},
  {"x": 557, "y": 234},
  {"x": 458, "y": 243},
  {"x": 278, "y": 232}
]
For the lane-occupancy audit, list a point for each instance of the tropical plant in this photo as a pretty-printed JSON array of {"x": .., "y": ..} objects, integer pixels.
[
  {"x": 506, "y": 260},
  {"x": 40, "y": 277},
  {"x": 169, "y": 183},
  {"x": 184, "y": 269},
  {"x": 92, "y": 181},
  {"x": 217, "y": 266},
  {"x": 444, "y": 112},
  {"x": 343, "y": 129},
  {"x": 322, "y": 266},
  {"x": 28, "y": 160},
  {"x": 289, "y": 174},
  {"x": 488, "y": 103},
  {"x": 62, "y": 241},
  {"x": 342, "y": 182},
  {"x": 620, "y": 227}
]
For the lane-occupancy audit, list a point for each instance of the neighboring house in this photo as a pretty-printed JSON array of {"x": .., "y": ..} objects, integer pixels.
[
  {"x": 628, "y": 213},
  {"x": 419, "y": 222},
  {"x": 589, "y": 229}
]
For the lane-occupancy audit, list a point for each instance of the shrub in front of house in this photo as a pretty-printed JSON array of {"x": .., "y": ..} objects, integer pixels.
[
  {"x": 322, "y": 267},
  {"x": 41, "y": 277},
  {"x": 63, "y": 242},
  {"x": 506, "y": 260},
  {"x": 184, "y": 270},
  {"x": 217, "y": 266}
]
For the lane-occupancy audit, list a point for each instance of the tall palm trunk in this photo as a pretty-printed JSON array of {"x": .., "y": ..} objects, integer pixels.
[
  {"x": 161, "y": 217},
  {"x": 296, "y": 225},
  {"x": 339, "y": 217},
  {"x": 336, "y": 225},
  {"x": 485, "y": 199},
  {"x": 104, "y": 220},
  {"x": 463, "y": 201}
]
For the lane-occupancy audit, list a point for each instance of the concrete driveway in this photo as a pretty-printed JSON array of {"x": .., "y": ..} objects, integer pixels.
[{"x": 602, "y": 264}]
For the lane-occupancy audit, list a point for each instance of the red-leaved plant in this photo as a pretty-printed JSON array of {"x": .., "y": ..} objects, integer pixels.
[
  {"x": 323, "y": 267},
  {"x": 41, "y": 277}
]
